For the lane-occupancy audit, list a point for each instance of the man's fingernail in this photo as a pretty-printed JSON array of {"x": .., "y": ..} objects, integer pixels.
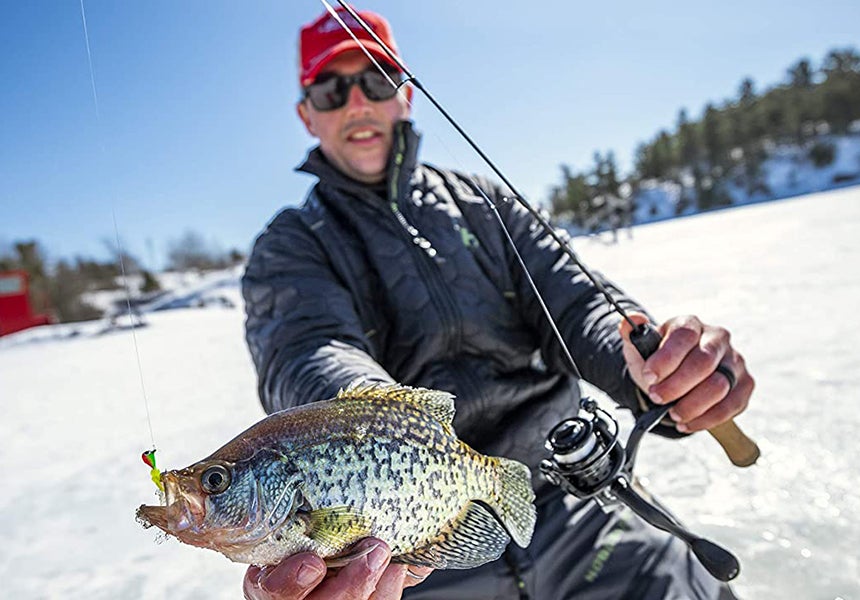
[
  {"x": 673, "y": 415},
  {"x": 682, "y": 428},
  {"x": 308, "y": 573},
  {"x": 274, "y": 578},
  {"x": 649, "y": 377},
  {"x": 376, "y": 558},
  {"x": 655, "y": 397}
]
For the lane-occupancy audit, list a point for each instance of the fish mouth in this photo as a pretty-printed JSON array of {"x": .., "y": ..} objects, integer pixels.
[
  {"x": 153, "y": 516},
  {"x": 182, "y": 512}
]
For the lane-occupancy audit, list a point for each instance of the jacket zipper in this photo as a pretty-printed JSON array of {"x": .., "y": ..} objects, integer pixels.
[
  {"x": 448, "y": 311},
  {"x": 444, "y": 301}
]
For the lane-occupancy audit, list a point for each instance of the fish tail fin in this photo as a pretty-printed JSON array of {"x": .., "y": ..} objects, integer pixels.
[{"x": 513, "y": 500}]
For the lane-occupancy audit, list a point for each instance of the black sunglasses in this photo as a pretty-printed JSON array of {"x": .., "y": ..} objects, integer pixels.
[{"x": 330, "y": 91}]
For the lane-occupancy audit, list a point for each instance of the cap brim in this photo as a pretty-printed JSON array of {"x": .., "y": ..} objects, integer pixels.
[{"x": 342, "y": 48}]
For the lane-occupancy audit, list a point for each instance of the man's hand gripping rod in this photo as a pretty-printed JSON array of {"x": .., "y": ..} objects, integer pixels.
[{"x": 741, "y": 450}]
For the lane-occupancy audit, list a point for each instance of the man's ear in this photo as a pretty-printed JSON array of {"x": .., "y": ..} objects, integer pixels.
[{"x": 302, "y": 110}]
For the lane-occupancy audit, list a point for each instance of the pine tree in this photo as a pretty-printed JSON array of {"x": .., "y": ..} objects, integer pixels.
[
  {"x": 800, "y": 74},
  {"x": 841, "y": 97},
  {"x": 800, "y": 109},
  {"x": 712, "y": 140},
  {"x": 570, "y": 201},
  {"x": 688, "y": 141}
]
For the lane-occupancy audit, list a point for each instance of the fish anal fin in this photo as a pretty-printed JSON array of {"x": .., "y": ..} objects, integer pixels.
[
  {"x": 438, "y": 404},
  {"x": 474, "y": 537}
]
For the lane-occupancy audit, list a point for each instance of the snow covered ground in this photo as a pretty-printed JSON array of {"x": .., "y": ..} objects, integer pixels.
[{"x": 782, "y": 276}]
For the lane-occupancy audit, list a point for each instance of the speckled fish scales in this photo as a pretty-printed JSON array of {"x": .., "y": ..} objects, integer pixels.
[{"x": 380, "y": 461}]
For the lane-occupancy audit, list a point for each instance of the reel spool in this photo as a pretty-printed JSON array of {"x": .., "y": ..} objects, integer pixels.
[{"x": 586, "y": 454}]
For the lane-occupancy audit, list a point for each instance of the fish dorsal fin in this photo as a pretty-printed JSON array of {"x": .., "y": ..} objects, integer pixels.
[
  {"x": 437, "y": 404},
  {"x": 472, "y": 538}
]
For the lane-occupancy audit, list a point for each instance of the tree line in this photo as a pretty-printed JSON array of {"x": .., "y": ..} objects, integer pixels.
[
  {"x": 728, "y": 143},
  {"x": 60, "y": 287}
]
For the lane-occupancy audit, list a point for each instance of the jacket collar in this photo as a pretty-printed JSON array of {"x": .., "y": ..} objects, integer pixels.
[{"x": 405, "y": 142}]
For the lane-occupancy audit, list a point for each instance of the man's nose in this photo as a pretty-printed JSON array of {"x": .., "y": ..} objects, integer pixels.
[{"x": 356, "y": 100}]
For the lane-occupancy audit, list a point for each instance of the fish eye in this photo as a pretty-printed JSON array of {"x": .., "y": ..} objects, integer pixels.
[{"x": 215, "y": 479}]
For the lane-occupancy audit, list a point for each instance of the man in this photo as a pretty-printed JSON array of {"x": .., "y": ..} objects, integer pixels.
[{"x": 395, "y": 271}]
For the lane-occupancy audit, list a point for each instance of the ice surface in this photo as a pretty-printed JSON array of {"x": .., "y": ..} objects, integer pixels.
[{"x": 782, "y": 276}]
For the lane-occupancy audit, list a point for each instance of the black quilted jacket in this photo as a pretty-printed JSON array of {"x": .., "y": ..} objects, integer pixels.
[{"x": 414, "y": 283}]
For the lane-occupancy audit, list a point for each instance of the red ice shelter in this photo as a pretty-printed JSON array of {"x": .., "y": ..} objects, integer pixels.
[{"x": 16, "y": 312}]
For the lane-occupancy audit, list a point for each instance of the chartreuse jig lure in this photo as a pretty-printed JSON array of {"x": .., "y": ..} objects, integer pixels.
[{"x": 149, "y": 458}]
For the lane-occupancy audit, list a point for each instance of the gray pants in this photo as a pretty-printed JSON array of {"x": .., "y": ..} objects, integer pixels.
[{"x": 582, "y": 553}]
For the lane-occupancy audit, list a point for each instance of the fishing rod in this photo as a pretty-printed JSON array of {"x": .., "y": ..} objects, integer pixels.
[
  {"x": 588, "y": 459},
  {"x": 741, "y": 450}
]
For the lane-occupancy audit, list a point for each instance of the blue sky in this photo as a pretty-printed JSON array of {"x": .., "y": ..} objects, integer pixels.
[{"x": 196, "y": 127}]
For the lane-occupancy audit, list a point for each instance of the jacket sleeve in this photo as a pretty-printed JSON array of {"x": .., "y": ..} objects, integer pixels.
[
  {"x": 302, "y": 329},
  {"x": 586, "y": 320}
]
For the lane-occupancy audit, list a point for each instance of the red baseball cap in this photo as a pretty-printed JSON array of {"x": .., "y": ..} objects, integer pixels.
[{"x": 326, "y": 39}]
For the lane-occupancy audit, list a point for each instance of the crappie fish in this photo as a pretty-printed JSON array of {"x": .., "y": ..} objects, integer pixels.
[{"x": 380, "y": 461}]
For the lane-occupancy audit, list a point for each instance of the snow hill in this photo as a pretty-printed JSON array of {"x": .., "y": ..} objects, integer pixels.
[
  {"x": 779, "y": 275},
  {"x": 127, "y": 306},
  {"x": 787, "y": 172}
]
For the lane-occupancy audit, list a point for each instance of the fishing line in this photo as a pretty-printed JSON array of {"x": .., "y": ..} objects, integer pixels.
[
  {"x": 90, "y": 62},
  {"x": 120, "y": 251},
  {"x": 125, "y": 286}
]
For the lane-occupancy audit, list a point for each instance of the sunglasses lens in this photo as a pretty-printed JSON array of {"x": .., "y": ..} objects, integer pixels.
[
  {"x": 331, "y": 92},
  {"x": 377, "y": 87},
  {"x": 328, "y": 94}
]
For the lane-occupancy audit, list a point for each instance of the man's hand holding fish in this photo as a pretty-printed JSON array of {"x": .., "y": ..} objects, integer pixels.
[{"x": 304, "y": 576}]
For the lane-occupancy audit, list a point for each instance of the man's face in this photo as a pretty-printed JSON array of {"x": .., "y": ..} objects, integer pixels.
[{"x": 357, "y": 137}]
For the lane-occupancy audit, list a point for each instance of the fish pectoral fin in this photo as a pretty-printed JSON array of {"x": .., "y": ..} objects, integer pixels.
[
  {"x": 437, "y": 404},
  {"x": 338, "y": 526},
  {"x": 474, "y": 537}
]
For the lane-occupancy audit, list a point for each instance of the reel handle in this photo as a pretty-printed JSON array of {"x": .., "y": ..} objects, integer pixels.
[
  {"x": 741, "y": 450},
  {"x": 718, "y": 561}
]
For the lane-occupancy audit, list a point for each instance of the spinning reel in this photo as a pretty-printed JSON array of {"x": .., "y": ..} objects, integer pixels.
[{"x": 589, "y": 461}]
